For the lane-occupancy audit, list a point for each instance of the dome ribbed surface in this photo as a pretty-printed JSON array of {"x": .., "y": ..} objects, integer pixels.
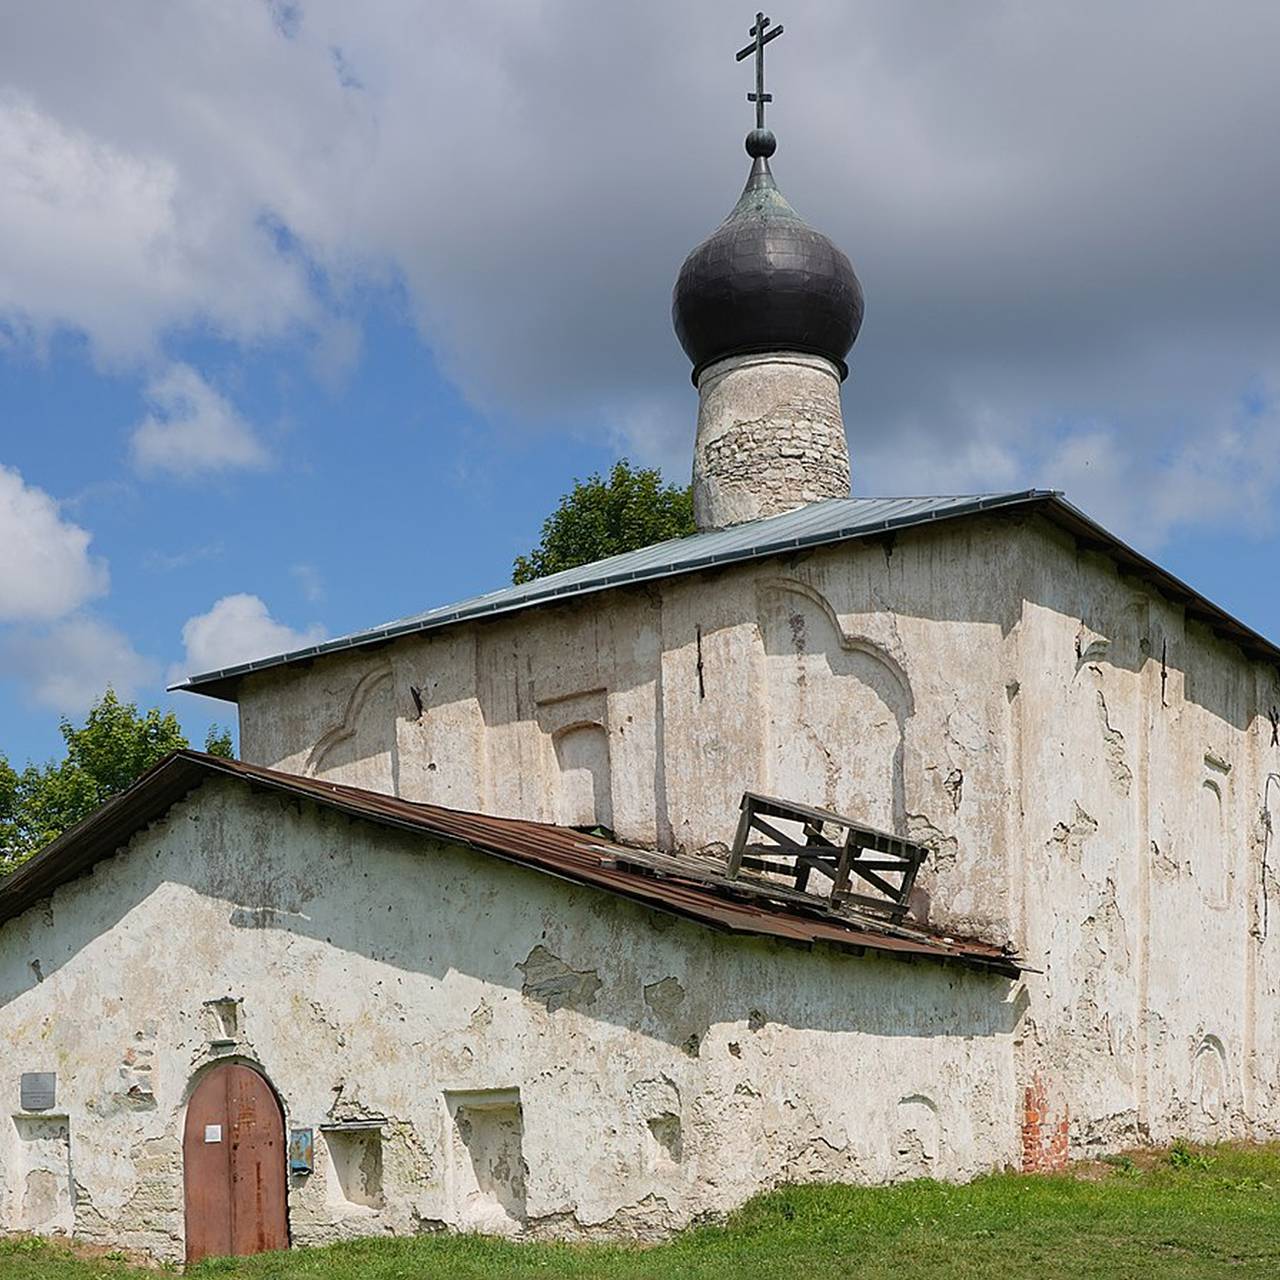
[{"x": 766, "y": 281}]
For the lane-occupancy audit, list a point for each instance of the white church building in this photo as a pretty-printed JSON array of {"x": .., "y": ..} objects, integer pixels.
[{"x": 848, "y": 838}]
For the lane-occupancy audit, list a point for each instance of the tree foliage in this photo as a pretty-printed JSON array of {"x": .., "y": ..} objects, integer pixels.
[
  {"x": 599, "y": 518},
  {"x": 115, "y": 746}
]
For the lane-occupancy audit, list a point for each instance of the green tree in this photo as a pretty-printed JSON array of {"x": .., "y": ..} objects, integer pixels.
[
  {"x": 217, "y": 742},
  {"x": 8, "y": 810},
  {"x": 115, "y": 745},
  {"x": 599, "y": 518}
]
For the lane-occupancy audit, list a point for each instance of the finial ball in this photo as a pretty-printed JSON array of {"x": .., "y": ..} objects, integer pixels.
[{"x": 761, "y": 143}]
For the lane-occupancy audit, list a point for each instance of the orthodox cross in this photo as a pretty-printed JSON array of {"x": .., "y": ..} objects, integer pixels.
[{"x": 758, "y": 42}]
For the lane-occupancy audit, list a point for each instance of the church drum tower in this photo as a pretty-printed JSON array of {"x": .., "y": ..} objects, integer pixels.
[{"x": 767, "y": 309}]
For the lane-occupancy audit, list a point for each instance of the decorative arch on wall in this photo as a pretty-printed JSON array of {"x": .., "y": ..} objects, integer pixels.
[
  {"x": 1211, "y": 857},
  {"x": 848, "y": 641},
  {"x": 838, "y": 704},
  {"x": 583, "y": 790},
  {"x": 1210, "y": 1087},
  {"x": 367, "y": 687},
  {"x": 918, "y": 1137}
]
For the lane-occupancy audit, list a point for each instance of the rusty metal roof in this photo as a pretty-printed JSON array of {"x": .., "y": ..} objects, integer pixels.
[
  {"x": 743, "y": 907},
  {"x": 814, "y": 525}
]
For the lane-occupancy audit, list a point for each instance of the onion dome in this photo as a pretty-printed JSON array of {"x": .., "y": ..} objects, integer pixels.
[{"x": 766, "y": 281}]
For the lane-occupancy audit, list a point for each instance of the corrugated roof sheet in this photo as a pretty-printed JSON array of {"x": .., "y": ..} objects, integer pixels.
[
  {"x": 559, "y": 851},
  {"x": 817, "y": 524}
]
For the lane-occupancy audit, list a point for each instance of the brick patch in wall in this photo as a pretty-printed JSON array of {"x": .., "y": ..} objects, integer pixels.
[{"x": 1044, "y": 1139}]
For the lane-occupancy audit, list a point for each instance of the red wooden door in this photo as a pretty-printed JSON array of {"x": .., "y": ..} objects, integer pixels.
[{"x": 233, "y": 1160}]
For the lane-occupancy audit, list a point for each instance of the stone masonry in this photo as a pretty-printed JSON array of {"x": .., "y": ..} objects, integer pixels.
[{"x": 770, "y": 438}]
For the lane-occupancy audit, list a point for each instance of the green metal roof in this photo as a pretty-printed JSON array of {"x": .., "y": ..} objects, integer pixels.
[{"x": 817, "y": 524}]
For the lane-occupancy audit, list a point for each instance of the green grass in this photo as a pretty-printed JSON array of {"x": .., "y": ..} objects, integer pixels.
[{"x": 1185, "y": 1212}]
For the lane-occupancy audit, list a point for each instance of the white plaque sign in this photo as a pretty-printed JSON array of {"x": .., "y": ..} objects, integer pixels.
[{"x": 213, "y": 1133}]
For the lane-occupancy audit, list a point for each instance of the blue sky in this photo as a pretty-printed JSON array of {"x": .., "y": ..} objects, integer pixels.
[
  {"x": 382, "y": 496},
  {"x": 310, "y": 312}
]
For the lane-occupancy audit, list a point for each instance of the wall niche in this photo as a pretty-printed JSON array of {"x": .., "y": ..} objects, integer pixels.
[
  {"x": 355, "y": 1166},
  {"x": 585, "y": 795},
  {"x": 837, "y": 709},
  {"x": 488, "y": 1171},
  {"x": 919, "y": 1138},
  {"x": 581, "y": 788},
  {"x": 1211, "y": 857},
  {"x": 45, "y": 1189}
]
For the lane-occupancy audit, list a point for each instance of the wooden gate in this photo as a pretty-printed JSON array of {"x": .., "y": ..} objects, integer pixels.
[{"x": 233, "y": 1159}]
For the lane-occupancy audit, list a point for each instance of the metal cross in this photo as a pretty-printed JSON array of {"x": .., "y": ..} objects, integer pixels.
[{"x": 758, "y": 42}]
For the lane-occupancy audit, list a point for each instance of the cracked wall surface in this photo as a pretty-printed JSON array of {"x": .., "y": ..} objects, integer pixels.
[
  {"x": 1087, "y": 766},
  {"x": 1141, "y": 755},
  {"x": 575, "y": 1065}
]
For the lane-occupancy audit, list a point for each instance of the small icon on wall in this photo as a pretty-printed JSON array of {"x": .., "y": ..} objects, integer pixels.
[{"x": 302, "y": 1150}]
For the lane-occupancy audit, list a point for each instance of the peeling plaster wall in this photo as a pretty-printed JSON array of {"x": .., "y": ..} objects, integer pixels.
[
  {"x": 1087, "y": 766},
  {"x": 831, "y": 677},
  {"x": 549, "y": 1059},
  {"x": 1143, "y": 747}
]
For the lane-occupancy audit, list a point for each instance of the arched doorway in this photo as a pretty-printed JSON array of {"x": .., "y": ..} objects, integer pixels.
[{"x": 233, "y": 1166}]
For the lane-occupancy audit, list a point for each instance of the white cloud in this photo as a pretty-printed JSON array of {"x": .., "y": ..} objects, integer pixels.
[
  {"x": 310, "y": 582},
  {"x": 168, "y": 561},
  {"x": 238, "y": 629},
  {"x": 1229, "y": 471},
  {"x": 46, "y": 569},
  {"x": 192, "y": 429},
  {"x": 1031, "y": 255},
  {"x": 65, "y": 667},
  {"x": 116, "y": 239}
]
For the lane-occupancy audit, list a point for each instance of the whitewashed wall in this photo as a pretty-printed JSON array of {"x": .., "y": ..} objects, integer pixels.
[
  {"x": 1087, "y": 765},
  {"x": 647, "y": 1070}
]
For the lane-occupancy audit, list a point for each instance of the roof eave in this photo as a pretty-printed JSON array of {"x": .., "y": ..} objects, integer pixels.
[
  {"x": 1094, "y": 537},
  {"x": 110, "y": 828},
  {"x": 225, "y": 683}
]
